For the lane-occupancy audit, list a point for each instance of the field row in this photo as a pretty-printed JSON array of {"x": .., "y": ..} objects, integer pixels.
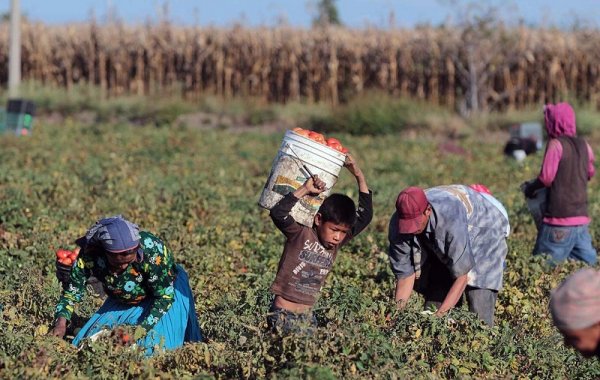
[{"x": 198, "y": 190}]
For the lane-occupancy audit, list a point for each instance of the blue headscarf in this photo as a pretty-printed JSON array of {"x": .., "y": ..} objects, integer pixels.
[{"x": 113, "y": 234}]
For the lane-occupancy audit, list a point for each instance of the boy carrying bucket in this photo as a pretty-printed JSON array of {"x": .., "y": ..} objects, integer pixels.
[{"x": 309, "y": 253}]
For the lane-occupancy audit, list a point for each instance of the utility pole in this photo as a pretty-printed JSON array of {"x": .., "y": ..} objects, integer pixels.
[{"x": 14, "y": 54}]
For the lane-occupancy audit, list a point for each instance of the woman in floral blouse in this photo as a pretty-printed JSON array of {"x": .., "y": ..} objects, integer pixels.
[{"x": 144, "y": 286}]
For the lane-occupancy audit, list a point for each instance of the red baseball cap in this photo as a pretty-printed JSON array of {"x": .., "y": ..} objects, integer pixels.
[{"x": 410, "y": 207}]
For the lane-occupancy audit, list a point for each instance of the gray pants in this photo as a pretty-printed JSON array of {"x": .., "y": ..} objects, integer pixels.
[
  {"x": 436, "y": 284},
  {"x": 483, "y": 303},
  {"x": 480, "y": 301}
]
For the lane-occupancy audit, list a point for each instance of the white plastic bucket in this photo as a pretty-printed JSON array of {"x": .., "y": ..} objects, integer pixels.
[{"x": 287, "y": 174}]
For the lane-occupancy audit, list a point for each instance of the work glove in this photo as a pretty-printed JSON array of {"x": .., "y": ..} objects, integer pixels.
[
  {"x": 63, "y": 273},
  {"x": 532, "y": 187}
]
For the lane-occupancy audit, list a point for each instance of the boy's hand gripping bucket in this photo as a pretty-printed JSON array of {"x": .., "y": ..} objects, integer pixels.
[{"x": 288, "y": 174}]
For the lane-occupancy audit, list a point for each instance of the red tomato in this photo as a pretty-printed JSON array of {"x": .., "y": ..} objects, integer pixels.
[
  {"x": 73, "y": 256},
  {"x": 344, "y": 150},
  {"x": 66, "y": 261},
  {"x": 332, "y": 140},
  {"x": 61, "y": 254},
  {"x": 317, "y": 137},
  {"x": 302, "y": 132},
  {"x": 125, "y": 338},
  {"x": 335, "y": 146}
]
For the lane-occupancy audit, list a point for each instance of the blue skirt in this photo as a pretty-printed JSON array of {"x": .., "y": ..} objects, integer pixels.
[{"x": 178, "y": 325}]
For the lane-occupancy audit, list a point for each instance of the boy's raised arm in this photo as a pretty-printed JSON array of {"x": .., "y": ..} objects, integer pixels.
[
  {"x": 280, "y": 213},
  {"x": 365, "y": 198},
  {"x": 353, "y": 168}
]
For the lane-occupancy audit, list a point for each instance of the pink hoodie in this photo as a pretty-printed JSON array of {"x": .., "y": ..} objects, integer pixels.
[{"x": 560, "y": 121}]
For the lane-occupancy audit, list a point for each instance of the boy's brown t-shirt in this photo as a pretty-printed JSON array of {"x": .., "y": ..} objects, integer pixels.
[{"x": 305, "y": 263}]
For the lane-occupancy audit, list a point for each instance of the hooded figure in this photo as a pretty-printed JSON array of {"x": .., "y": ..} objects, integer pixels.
[{"x": 567, "y": 167}]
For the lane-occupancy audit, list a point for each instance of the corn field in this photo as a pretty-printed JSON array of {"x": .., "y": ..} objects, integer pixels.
[{"x": 468, "y": 68}]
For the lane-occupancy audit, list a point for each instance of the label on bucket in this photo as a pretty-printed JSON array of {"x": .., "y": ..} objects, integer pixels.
[{"x": 284, "y": 185}]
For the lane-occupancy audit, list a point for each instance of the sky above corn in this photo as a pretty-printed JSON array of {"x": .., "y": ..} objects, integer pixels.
[{"x": 353, "y": 13}]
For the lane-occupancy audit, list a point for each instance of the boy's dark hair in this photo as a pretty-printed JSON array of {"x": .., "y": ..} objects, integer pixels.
[{"x": 338, "y": 209}]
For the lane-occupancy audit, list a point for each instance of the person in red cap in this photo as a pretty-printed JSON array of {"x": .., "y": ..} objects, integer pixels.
[{"x": 446, "y": 241}]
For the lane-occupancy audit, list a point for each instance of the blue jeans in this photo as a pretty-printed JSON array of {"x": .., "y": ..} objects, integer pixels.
[{"x": 565, "y": 242}]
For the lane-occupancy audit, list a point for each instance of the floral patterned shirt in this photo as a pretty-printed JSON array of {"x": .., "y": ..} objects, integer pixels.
[{"x": 151, "y": 275}]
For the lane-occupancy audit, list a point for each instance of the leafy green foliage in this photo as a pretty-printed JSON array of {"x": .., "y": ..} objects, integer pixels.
[
  {"x": 198, "y": 190},
  {"x": 327, "y": 13},
  {"x": 377, "y": 113}
]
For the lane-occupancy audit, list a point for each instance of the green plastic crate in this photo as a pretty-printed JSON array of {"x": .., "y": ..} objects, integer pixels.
[
  {"x": 2, "y": 120},
  {"x": 18, "y": 117}
]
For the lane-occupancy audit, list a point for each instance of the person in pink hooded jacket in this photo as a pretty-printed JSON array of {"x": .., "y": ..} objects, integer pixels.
[{"x": 567, "y": 167}]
